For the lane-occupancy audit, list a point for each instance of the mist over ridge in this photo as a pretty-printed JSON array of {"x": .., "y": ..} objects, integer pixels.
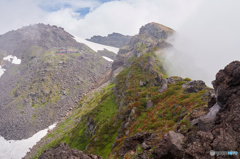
[{"x": 206, "y": 42}]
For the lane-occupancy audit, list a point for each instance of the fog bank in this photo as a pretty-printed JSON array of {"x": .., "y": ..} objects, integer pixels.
[{"x": 206, "y": 42}]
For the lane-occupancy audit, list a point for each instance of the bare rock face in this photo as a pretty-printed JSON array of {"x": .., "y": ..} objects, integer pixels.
[
  {"x": 225, "y": 134},
  {"x": 156, "y": 30},
  {"x": 63, "y": 151},
  {"x": 201, "y": 147},
  {"x": 227, "y": 82}
]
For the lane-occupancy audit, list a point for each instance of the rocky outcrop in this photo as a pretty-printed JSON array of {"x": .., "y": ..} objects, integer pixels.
[
  {"x": 149, "y": 104},
  {"x": 151, "y": 36},
  {"x": 63, "y": 151},
  {"x": 163, "y": 86},
  {"x": 144, "y": 139},
  {"x": 194, "y": 86},
  {"x": 170, "y": 146},
  {"x": 227, "y": 82},
  {"x": 91, "y": 126},
  {"x": 223, "y": 134},
  {"x": 114, "y": 39}
]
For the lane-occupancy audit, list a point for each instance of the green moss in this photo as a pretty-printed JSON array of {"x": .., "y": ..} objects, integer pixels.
[
  {"x": 101, "y": 108},
  {"x": 141, "y": 47},
  {"x": 168, "y": 106},
  {"x": 187, "y": 79},
  {"x": 180, "y": 83},
  {"x": 139, "y": 149},
  {"x": 131, "y": 59},
  {"x": 33, "y": 118},
  {"x": 76, "y": 54}
]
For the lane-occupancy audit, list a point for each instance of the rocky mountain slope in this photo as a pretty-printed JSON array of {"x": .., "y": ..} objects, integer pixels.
[
  {"x": 114, "y": 39},
  {"x": 107, "y": 53},
  {"x": 142, "y": 113},
  {"x": 45, "y": 86}
]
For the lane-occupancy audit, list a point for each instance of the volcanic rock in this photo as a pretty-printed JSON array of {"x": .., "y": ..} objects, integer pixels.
[{"x": 62, "y": 151}]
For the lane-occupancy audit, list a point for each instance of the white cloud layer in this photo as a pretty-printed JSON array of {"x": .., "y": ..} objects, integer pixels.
[
  {"x": 207, "y": 41},
  {"x": 208, "y": 31},
  {"x": 125, "y": 16}
]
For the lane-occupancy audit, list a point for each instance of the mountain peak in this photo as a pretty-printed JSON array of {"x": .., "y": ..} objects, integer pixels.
[
  {"x": 156, "y": 30},
  {"x": 42, "y": 89}
]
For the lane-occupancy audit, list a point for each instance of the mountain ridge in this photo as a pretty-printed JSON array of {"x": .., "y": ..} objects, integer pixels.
[
  {"x": 124, "y": 99},
  {"x": 115, "y": 39}
]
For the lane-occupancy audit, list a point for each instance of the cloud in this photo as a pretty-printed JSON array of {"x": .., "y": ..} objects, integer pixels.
[
  {"x": 207, "y": 41},
  {"x": 125, "y": 16},
  {"x": 208, "y": 31},
  {"x": 15, "y": 14},
  {"x": 104, "y": 17}
]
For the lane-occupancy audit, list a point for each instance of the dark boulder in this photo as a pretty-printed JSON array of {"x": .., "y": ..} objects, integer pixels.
[
  {"x": 149, "y": 104},
  {"x": 163, "y": 87},
  {"x": 195, "y": 86},
  {"x": 170, "y": 146},
  {"x": 91, "y": 127},
  {"x": 131, "y": 143},
  {"x": 201, "y": 147},
  {"x": 227, "y": 82},
  {"x": 63, "y": 151}
]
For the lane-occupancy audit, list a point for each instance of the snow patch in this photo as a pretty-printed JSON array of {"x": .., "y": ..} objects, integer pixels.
[
  {"x": 13, "y": 59},
  {"x": 107, "y": 58},
  {"x": 16, "y": 149},
  {"x": 2, "y": 71},
  {"x": 95, "y": 46}
]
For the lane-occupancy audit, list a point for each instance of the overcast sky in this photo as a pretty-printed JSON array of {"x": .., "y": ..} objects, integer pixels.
[
  {"x": 86, "y": 18},
  {"x": 208, "y": 30}
]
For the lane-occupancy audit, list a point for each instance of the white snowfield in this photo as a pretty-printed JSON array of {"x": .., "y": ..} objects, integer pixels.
[
  {"x": 107, "y": 58},
  {"x": 2, "y": 71},
  {"x": 13, "y": 59},
  {"x": 17, "y": 149},
  {"x": 95, "y": 46}
]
